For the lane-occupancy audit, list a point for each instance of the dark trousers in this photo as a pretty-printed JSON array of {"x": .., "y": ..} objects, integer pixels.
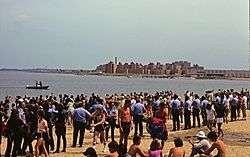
[
  {"x": 138, "y": 124},
  {"x": 204, "y": 117},
  {"x": 187, "y": 119},
  {"x": 28, "y": 138},
  {"x": 233, "y": 113},
  {"x": 61, "y": 132},
  {"x": 176, "y": 119},
  {"x": 196, "y": 115},
  {"x": 181, "y": 115},
  {"x": 13, "y": 139},
  {"x": 78, "y": 126},
  {"x": 51, "y": 140},
  {"x": 111, "y": 126}
]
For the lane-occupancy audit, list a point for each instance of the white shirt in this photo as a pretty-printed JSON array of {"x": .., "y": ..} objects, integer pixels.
[
  {"x": 227, "y": 103},
  {"x": 204, "y": 103},
  {"x": 203, "y": 145},
  {"x": 189, "y": 105},
  {"x": 244, "y": 101}
]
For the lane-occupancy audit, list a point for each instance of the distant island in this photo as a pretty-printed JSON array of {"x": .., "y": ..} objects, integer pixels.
[{"x": 168, "y": 70}]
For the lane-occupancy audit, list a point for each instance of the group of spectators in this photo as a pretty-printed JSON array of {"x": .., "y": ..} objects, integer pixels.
[{"x": 25, "y": 119}]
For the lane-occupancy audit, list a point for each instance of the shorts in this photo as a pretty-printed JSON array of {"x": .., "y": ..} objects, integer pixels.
[
  {"x": 43, "y": 135},
  {"x": 99, "y": 128},
  {"x": 219, "y": 120}
]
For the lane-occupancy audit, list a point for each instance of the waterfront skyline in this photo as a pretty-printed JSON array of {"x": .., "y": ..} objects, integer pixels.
[{"x": 83, "y": 34}]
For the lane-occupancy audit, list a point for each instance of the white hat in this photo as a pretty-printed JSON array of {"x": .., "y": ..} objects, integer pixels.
[{"x": 201, "y": 134}]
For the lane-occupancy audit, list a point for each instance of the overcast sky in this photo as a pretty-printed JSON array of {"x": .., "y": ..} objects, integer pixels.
[{"x": 84, "y": 33}]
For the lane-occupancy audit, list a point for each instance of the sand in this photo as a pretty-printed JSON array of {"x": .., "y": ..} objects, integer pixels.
[{"x": 237, "y": 140}]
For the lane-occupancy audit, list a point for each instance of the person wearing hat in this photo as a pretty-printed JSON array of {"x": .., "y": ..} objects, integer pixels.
[
  {"x": 90, "y": 152},
  {"x": 201, "y": 146}
]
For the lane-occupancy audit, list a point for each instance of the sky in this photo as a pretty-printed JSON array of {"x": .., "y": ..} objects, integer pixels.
[{"x": 82, "y": 34}]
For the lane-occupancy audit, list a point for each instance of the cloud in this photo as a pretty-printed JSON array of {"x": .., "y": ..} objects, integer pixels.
[{"x": 23, "y": 17}]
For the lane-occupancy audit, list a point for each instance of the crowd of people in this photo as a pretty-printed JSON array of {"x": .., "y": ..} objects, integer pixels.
[{"x": 25, "y": 119}]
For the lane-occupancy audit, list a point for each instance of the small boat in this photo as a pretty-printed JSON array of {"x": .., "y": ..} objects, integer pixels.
[{"x": 36, "y": 87}]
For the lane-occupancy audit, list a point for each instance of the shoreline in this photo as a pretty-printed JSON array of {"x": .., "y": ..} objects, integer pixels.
[{"x": 93, "y": 73}]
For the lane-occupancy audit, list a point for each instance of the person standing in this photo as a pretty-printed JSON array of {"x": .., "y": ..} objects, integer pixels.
[
  {"x": 234, "y": 104},
  {"x": 99, "y": 117},
  {"x": 14, "y": 135},
  {"x": 196, "y": 111},
  {"x": 244, "y": 107},
  {"x": 60, "y": 126},
  {"x": 175, "y": 107},
  {"x": 49, "y": 116},
  {"x": 162, "y": 115},
  {"x": 138, "y": 110},
  {"x": 187, "y": 113},
  {"x": 80, "y": 117},
  {"x": 42, "y": 134},
  {"x": 111, "y": 119},
  {"x": 210, "y": 112},
  {"x": 204, "y": 103},
  {"x": 239, "y": 106},
  {"x": 227, "y": 107},
  {"x": 125, "y": 122},
  {"x": 219, "y": 108}
]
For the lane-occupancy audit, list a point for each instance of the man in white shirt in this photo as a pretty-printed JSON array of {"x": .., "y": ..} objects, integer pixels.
[
  {"x": 187, "y": 113},
  {"x": 138, "y": 110}
]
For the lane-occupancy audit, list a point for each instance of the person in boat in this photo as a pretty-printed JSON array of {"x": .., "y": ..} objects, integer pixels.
[
  {"x": 36, "y": 83},
  {"x": 40, "y": 83}
]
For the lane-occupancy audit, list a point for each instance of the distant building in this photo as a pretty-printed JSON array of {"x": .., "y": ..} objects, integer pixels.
[{"x": 178, "y": 68}]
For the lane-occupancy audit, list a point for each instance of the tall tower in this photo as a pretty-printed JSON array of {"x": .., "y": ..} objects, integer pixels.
[
  {"x": 115, "y": 66},
  {"x": 115, "y": 60}
]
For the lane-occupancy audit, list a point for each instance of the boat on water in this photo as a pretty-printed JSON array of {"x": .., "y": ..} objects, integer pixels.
[{"x": 36, "y": 87}]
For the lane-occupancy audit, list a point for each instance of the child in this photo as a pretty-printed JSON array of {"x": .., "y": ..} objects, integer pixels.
[
  {"x": 113, "y": 148},
  {"x": 178, "y": 150},
  {"x": 135, "y": 148},
  {"x": 155, "y": 149}
]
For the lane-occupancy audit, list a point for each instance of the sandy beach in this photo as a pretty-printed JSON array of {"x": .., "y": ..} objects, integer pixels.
[{"x": 237, "y": 140}]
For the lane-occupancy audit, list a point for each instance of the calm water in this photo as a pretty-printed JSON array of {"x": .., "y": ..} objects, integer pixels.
[{"x": 13, "y": 83}]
